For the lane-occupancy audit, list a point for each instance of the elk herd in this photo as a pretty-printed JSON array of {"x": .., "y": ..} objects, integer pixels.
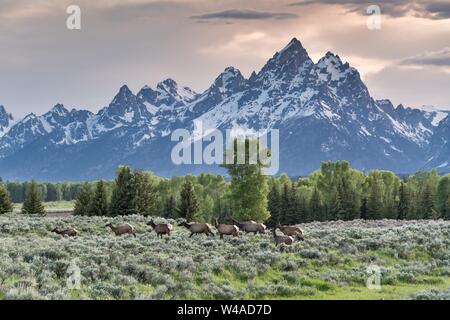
[{"x": 288, "y": 237}]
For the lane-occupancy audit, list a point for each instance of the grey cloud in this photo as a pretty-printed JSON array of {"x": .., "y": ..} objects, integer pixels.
[
  {"x": 437, "y": 58},
  {"x": 245, "y": 14},
  {"x": 438, "y": 10},
  {"x": 129, "y": 10},
  {"x": 429, "y": 9}
]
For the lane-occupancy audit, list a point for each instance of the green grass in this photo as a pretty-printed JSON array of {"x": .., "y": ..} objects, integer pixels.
[
  {"x": 329, "y": 264},
  {"x": 51, "y": 206},
  {"x": 387, "y": 292}
]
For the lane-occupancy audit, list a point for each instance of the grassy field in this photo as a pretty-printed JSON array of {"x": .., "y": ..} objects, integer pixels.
[
  {"x": 51, "y": 206},
  {"x": 413, "y": 259}
]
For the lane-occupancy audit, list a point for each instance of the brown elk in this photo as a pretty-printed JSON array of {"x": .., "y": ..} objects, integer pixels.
[
  {"x": 122, "y": 229},
  {"x": 70, "y": 232},
  {"x": 226, "y": 229},
  {"x": 251, "y": 226},
  {"x": 197, "y": 228},
  {"x": 288, "y": 240},
  {"x": 291, "y": 231},
  {"x": 161, "y": 228}
]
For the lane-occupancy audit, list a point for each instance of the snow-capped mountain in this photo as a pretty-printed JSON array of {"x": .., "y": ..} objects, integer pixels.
[
  {"x": 323, "y": 111},
  {"x": 6, "y": 121}
]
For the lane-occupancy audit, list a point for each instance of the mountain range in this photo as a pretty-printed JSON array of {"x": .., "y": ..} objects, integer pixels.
[{"x": 322, "y": 110}]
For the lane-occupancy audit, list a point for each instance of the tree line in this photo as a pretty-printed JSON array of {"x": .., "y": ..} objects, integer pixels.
[
  {"x": 334, "y": 192},
  {"x": 338, "y": 192}
]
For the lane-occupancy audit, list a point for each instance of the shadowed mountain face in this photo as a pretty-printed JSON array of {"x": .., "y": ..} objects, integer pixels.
[{"x": 322, "y": 110}]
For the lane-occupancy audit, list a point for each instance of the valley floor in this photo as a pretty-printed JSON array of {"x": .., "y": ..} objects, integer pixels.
[{"x": 410, "y": 258}]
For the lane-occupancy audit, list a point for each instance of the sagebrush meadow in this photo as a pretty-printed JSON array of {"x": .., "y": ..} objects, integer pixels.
[
  {"x": 229, "y": 151},
  {"x": 331, "y": 263}
]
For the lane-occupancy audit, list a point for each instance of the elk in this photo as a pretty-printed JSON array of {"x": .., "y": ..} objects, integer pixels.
[
  {"x": 70, "y": 232},
  {"x": 251, "y": 226},
  {"x": 288, "y": 240},
  {"x": 198, "y": 228},
  {"x": 122, "y": 229},
  {"x": 291, "y": 231},
  {"x": 161, "y": 229},
  {"x": 226, "y": 229}
]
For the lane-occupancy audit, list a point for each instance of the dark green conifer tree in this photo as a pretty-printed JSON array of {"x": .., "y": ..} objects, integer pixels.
[
  {"x": 83, "y": 202},
  {"x": 99, "y": 202},
  {"x": 189, "y": 206},
  {"x": 124, "y": 193},
  {"x": 33, "y": 202},
  {"x": 5, "y": 200}
]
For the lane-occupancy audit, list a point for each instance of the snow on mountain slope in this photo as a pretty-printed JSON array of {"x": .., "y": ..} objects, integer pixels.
[
  {"x": 436, "y": 115},
  {"x": 323, "y": 110},
  {"x": 6, "y": 121}
]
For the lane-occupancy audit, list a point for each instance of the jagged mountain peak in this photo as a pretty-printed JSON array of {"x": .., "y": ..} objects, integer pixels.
[
  {"x": 293, "y": 48},
  {"x": 230, "y": 73},
  {"x": 5, "y": 117},
  {"x": 123, "y": 96},
  {"x": 331, "y": 68},
  {"x": 60, "y": 110},
  {"x": 179, "y": 93},
  {"x": 168, "y": 85},
  {"x": 323, "y": 111},
  {"x": 294, "y": 52},
  {"x": 285, "y": 65},
  {"x": 146, "y": 93},
  {"x": 6, "y": 121},
  {"x": 229, "y": 81}
]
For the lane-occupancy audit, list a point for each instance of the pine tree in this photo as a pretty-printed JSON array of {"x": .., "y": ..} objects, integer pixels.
[
  {"x": 5, "y": 200},
  {"x": 189, "y": 205},
  {"x": 375, "y": 202},
  {"x": 351, "y": 204},
  {"x": 363, "y": 210},
  {"x": 83, "y": 202},
  {"x": 442, "y": 194},
  {"x": 33, "y": 202},
  {"x": 295, "y": 211},
  {"x": 403, "y": 204},
  {"x": 301, "y": 208},
  {"x": 427, "y": 207},
  {"x": 447, "y": 210},
  {"x": 99, "y": 202},
  {"x": 170, "y": 208},
  {"x": 315, "y": 207},
  {"x": 336, "y": 210},
  {"x": 274, "y": 205},
  {"x": 285, "y": 205},
  {"x": 123, "y": 197},
  {"x": 146, "y": 200}
]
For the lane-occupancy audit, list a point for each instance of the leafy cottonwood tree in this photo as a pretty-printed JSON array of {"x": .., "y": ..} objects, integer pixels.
[{"x": 248, "y": 188}]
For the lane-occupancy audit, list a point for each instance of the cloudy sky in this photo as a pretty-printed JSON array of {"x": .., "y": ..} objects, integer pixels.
[{"x": 139, "y": 42}]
